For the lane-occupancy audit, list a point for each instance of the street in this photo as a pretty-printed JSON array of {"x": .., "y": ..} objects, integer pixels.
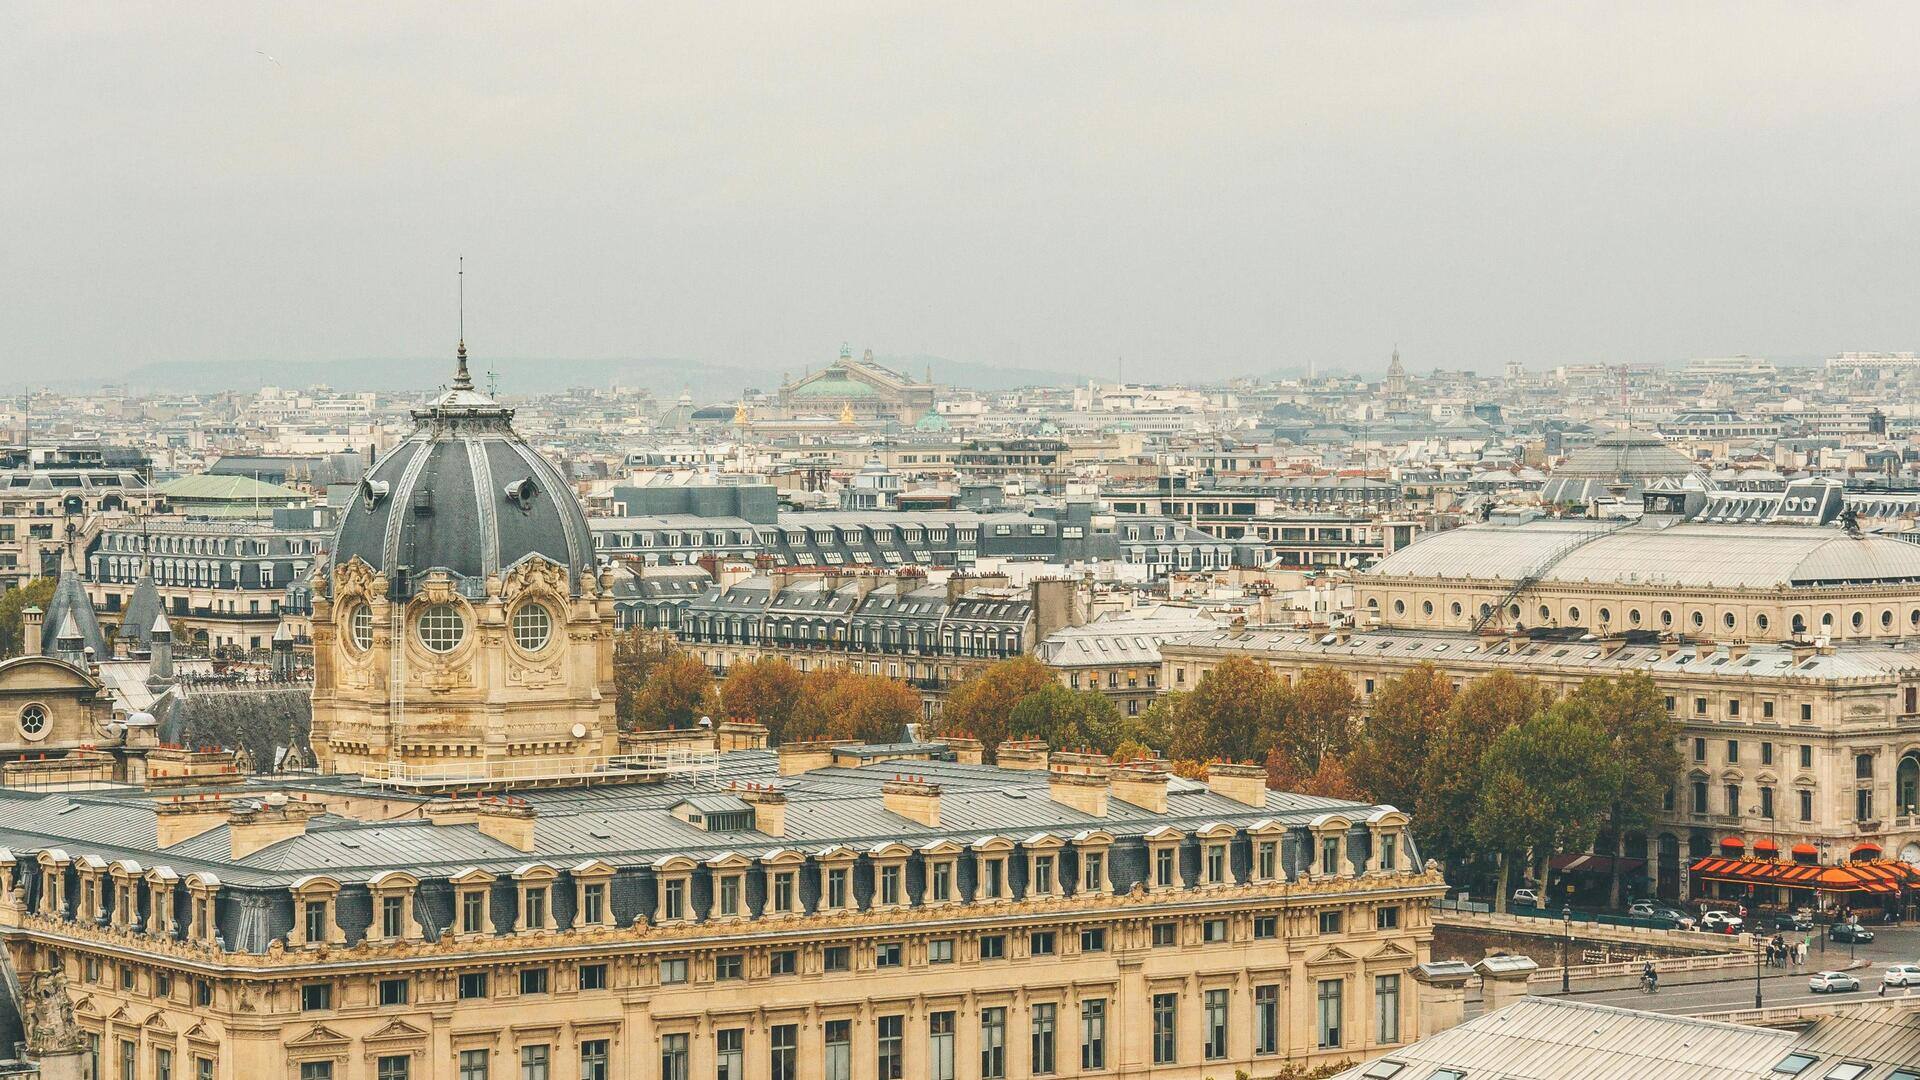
[{"x": 1732, "y": 988}]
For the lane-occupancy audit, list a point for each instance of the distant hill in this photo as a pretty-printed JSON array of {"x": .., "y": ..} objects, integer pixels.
[{"x": 666, "y": 377}]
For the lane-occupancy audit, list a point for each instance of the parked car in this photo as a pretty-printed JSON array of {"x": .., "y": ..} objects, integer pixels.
[
  {"x": 1721, "y": 922},
  {"x": 1525, "y": 898},
  {"x": 1826, "y": 982},
  {"x": 1647, "y": 909},
  {"x": 1848, "y": 931},
  {"x": 1902, "y": 975},
  {"x": 1783, "y": 924}
]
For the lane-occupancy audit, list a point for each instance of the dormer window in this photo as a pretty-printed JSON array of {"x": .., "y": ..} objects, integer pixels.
[
  {"x": 393, "y": 917},
  {"x": 673, "y": 903},
  {"x": 837, "y": 887},
  {"x": 941, "y": 883},
  {"x": 1216, "y": 864},
  {"x": 1042, "y": 874},
  {"x": 316, "y": 915},
  {"x": 1093, "y": 871},
  {"x": 473, "y": 911},
  {"x": 1330, "y": 855},
  {"x": 1163, "y": 868},
  {"x": 782, "y": 893},
  {"x": 534, "y": 907},
  {"x": 889, "y": 881},
  {"x": 1266, "y": 860},
  {"x": 593, "y": 903},
  {"x": 729, "y": 901},
  {"x": 993, "y": 878},
  {"x": 1389, "y": 852}
]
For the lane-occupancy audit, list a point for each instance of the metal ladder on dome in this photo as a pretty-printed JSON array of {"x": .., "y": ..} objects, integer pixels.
[{"x": 1544, "y": 567}]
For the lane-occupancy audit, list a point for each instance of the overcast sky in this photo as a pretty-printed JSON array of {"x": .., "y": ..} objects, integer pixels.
[{"x": 1199, "y": 188}]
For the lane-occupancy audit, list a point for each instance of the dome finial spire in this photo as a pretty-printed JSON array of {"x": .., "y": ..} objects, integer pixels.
[{"x": 462, "y": 380}]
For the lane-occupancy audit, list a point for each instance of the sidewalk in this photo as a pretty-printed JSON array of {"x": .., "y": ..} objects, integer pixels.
[{"x": 1694, "y": 978}]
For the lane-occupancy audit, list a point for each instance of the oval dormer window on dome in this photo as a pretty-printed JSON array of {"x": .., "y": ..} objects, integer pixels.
[
  {"x": 532, "y": 627},
  {"x": 360, "y": 627},
  {"x": 441, "y": 628},
  {"x": 521, "y": 493},
  {"x": 373, "y": 492}
]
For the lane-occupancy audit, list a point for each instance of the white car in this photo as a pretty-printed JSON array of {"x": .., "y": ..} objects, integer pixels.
[
  {"x": 1720, "y": 921},
  {"x": 1901, "y": 975},
  {"x": 1525, "y": 898},
  {"x": 1826, "y": 982}
]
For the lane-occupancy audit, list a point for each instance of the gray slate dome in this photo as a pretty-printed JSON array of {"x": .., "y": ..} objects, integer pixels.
[
  {"x": 464, "y": 493},
  {"x": 1619, "y": 463}
]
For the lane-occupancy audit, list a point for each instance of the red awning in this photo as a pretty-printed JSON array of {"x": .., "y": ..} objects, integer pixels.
[
  {"x": 1592, "y": 864},
  {"x": 1800, "y": 850},
  {"x": 1765, "y": 845},
  {"x": 1866, "y": 845},
  {"x": 1732, "y": 842},
  {"x": 1875, "y": 876}
]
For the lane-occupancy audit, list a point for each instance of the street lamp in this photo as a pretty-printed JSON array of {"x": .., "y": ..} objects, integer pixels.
[
  {"x": 1566, "y": 947},
  {"x": 1758, "y": 950}
]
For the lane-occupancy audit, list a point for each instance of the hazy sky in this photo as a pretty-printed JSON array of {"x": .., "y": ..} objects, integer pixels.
[{"x": 1200, "y": 188}]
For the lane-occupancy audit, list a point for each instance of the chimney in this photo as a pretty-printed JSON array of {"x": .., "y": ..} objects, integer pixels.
[
  {"x": 966, "y": 751},
  {"x": 1241, "y": 783},
  {"x": 806, "y": 755},
  {"x": 32, "y": 621},
  {"x": 1026, "y": 755},
  {"x": 913, "y": 798},
  {"x": 1737, "y": 651},
  {"x": 183, "y": 820},
  {"x": 1142, "y": 783},
  {"x": 740, "y": 735},
  {"x": 769, "y": 808},
  {"x": 1703, "y": 650},
  {"x": 508, "y": 820},
  {"x": 273, "y": 819},
  {"x": 1080, "y": 781}
]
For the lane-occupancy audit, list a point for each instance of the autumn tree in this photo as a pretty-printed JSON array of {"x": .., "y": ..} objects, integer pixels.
[
  {"x": 1450, "y": 780},
  {"x": 981, "y": 707},
  {"x": 1644, "y": 741},
  {"x": 869, "y": 708},
  {"x": 636, "y": 652},
  {"x": 1545, "y": 786},
  {"x": 1402, "y": 719},
  {"x": 1230, "y": 714},
  {"x": 1315, "y": 721},
  {"x": 35, "y": 593},
  {"x": 1068, "y": 719},
  {"x": 677, "y": 693},
  {"x": 763, "y": 691}
]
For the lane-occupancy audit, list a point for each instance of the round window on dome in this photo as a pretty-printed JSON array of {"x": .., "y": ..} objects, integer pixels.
[
  {"x": 1426, "y": 608},
  {"x": 441, "y": 628},
  {"x": 360, "y": 627},
  {"x": 532, "y": 627},
  {"x": 1859, "y": 620}
]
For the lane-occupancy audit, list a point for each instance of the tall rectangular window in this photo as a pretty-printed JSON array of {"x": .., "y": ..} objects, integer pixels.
[
  {"x": 535, "y": 1061},
  {"x": 1093, "y": 870},
  {"x": 393, "y": 916},
  {"x": 838, "y": 1064},
  {"x": 593, "y": 904},
  {"x": 536, "y": 909},
  {"x": 1045, "y": 1015},
  {"x": 1216, "y": 1024},
  {"x": 675, "y": 904},
  {"x": 316, "y": 917},
  {"x": 783, "y": 1052},
  {"x": 673, "y": 1056},
  {"x": 473, "y": 1065},
  {"x": 162, "y": 1063},
  {"x": 1330, "y": 855},
  {"x": 942, "y": 888},
  {"x": 1163, "y": 868},
  {"x": 473, "y": 911},
  {"x": 889, "y": 1047},
  {"x": 940, "y": 1029},
  {"x": 1164, "y": 1016},
  {"x": 783, "y": 891},
  {"x": 316, "y": 1070},
  {"x": 730, "y": 1054},
  {"x": 594, "y": 1060},
  {"x": 1806, "y": 805},
  {"x": 1329, "y": 1000},
  {"x": 1386, "y": 1008},
  {"x": 837, "y": 887},
  {"x": 993, "y": 1043},
  {"x": 890, "y": 884},
  {"x": 1093, "y": 1034},
  {"x": 1216, "y": 864},
  {"x": 1266, "y": 1019},
  {"x": 1266, "y": 860},
  {"x": 392, "y": 1067}
]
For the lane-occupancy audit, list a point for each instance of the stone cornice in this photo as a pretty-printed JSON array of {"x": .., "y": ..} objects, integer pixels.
[{"x": 601, "y": 941}]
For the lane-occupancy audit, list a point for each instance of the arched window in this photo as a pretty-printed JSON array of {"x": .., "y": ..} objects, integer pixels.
[
  {"x": 1799, "y": 625},
  {"x": 1907, "y": 783}
]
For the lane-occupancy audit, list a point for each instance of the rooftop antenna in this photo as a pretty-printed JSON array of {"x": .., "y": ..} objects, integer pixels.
[{"x": 462, "y": 380}]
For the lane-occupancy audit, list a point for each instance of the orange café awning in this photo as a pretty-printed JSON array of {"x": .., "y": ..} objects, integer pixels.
[
  {"x": 1865, "y": 848},
  {"x": 1732, "y": 842},
  {"x": 1766, "y": 849},
  {"x": 1804, "y": 850},
  {"x": 1876, "y": 876}
]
